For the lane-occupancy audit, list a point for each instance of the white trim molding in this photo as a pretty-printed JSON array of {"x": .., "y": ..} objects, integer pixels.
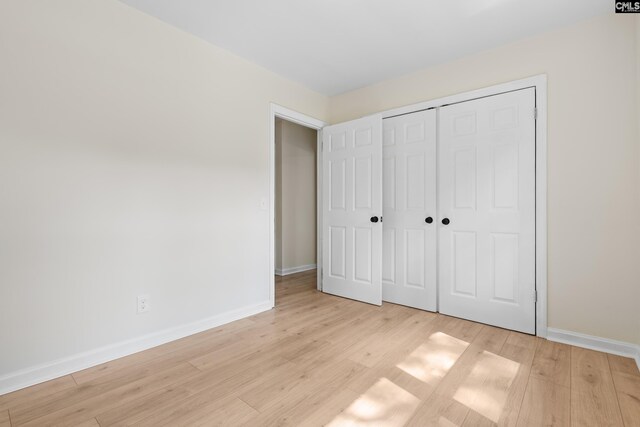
[
  {"x": 591, "y": 342},
  {"x": 292, "y": 270},
  {"x": 77, "y": 362}
]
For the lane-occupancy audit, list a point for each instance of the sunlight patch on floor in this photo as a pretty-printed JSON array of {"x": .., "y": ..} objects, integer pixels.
[
  {"x": 433, "y": 359},
  {"x": 486, "y": 388},
  {"x": 383, "y": 404}
]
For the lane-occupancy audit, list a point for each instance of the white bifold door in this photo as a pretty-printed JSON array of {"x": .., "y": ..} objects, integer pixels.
[
  {"x": 486, "y": 204},
  {"x": 436, "y": 210},
  {"x": 409, "y": 206},
  {"x": 352, "y": 209}
]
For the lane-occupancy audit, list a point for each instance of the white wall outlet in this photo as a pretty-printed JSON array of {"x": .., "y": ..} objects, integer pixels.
[{"x": 143, "y": 304}]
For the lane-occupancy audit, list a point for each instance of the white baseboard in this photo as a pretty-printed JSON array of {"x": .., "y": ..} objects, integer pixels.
[
  {"x": 605, "y": 345},
  {"x": 58, "y": 368},
  {"x": 291, "y": 270}
]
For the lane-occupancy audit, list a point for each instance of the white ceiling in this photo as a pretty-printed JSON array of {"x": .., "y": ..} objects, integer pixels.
[{"x": 333, "y": 46}]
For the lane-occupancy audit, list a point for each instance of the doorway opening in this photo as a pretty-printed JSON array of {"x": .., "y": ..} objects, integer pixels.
[
  {"x": 296, "y": 240},
  {"x": 296, "y": 159}
]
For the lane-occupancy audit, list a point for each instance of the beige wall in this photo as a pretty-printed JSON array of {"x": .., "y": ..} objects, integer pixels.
[
  {"x": 134, "y": 159},
  {"x": 593, "y": 183},
  {"x": 295, "y": 195}
]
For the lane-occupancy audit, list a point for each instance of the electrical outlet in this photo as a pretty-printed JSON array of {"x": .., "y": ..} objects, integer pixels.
[{"x": 143, "y": 304}]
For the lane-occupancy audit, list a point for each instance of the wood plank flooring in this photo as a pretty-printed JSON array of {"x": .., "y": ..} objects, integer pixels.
[{"x": 323, "y": 360}]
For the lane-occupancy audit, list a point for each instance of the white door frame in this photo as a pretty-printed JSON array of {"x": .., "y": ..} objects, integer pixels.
[
  {"x": 276, "y": 110},
  {"x": 539, "y": 82}
]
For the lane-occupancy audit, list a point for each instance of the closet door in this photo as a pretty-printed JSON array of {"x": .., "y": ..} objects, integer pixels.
[
  {"x": 487, "y": 210},
  {"x": 409, "y": 205},
  {"x": 352, "y": 209}
]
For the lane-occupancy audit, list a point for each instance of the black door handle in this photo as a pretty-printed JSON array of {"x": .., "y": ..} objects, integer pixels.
[
  {"x": 374, "y": 219},
  {"x": 428, "y": 220},
  {"x": 446, "y": 221}
]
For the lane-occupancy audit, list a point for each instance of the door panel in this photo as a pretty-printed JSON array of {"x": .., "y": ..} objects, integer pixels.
[
  {"x": 415, "y": 181},
  {"x": 486, "y": 189},
  {"x": 338, "y": 249},
  {"x": 337, "y": 179},
  {"x": 464, "y": 263},
  {"x": 409, "y": 244},
  {"x": 414, "y": 260},
  {"x": 352, "y": 167},
  {"x": 389, "y": 249}
]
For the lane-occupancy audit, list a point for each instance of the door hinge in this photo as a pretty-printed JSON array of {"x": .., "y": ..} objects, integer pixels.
[
  {"x": 535, "y": 113},
  {"x": 535, "y": 296}
]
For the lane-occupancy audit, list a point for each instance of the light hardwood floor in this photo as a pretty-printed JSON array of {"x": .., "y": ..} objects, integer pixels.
[{"x": 322, "y": 360}]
